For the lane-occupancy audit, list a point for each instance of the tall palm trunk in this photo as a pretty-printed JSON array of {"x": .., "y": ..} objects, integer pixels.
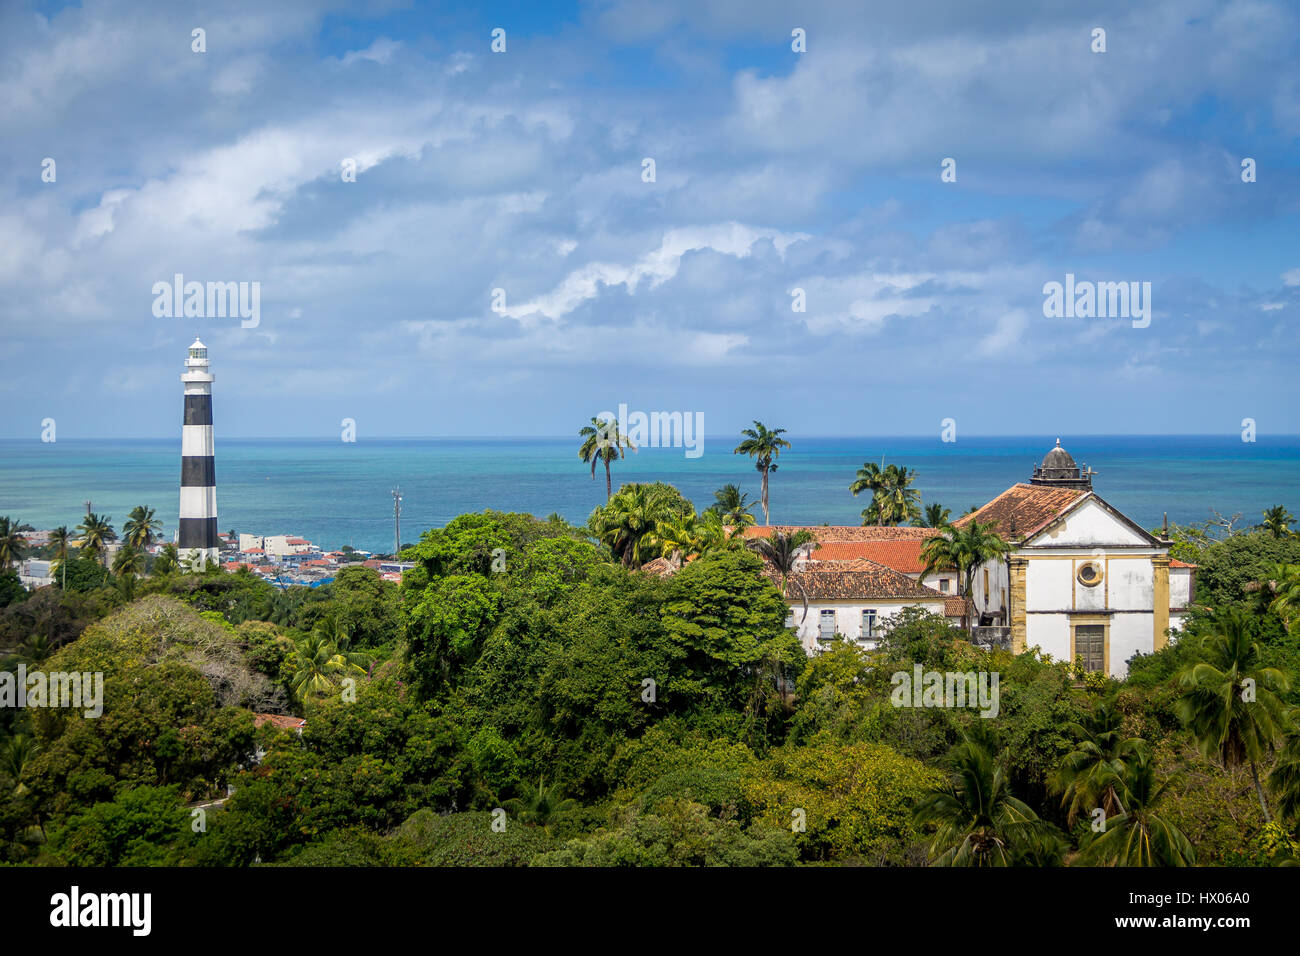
[
  {"x": 609, "y": 486},
  {"x": 1259, "y": 792},
  {"x": 766, "y": 519}
]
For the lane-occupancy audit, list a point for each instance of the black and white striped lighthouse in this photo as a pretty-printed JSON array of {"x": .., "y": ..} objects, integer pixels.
[{"x": 198, "y": 526}]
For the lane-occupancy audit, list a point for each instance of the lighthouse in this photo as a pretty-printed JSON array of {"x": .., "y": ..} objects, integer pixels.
[{"x": 198, "y": 525}]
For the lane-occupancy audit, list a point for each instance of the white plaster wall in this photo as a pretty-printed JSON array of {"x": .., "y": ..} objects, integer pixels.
[
  {"x": 1129, "y": 634},
  {"x": 1050, "y": 632},
  {"x": 1180, "y": 587},
  {"x": 1047, "y": 584},
  {"x": 932, "y": 581},
  {"x": 992, "y": 601},
  {"x": 1131, "y": 584},
  {"x": 1088, "y": 526},
  {"x": 848, "y": 617}
]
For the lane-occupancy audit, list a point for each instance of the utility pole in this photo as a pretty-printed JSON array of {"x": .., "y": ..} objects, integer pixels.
[{"x": 397, "y": 522}]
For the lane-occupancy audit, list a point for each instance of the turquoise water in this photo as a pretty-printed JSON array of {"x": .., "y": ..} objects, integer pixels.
[{"x": 337, "y": 493}]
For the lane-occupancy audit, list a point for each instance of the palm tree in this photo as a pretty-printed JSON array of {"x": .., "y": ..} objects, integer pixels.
[
  {"x": 629, "y": 521},
  {"x": 677, "y": 537},
  {"x": 96, "y": 533},
  {"x": 59, "y": 541},
  {"x": 964, "y": 548},
  {"x": 35, "y": 650},
  {"x": 141, "y": 528},
  {"x": 1232, "y": 704},
  {"x": 539, "y": 805},
  {"x": 782, "y": 552},
  {"x": 129, "y": 560},
  {"x": 713, "y": 535},
  {"x": 979, "y": 822},
  {"x": 892, "y": 500},
  {"x": 1286, "y": 589},
  {"x": 16, "y": 752},
  {"x": 1138, "y": 836},
  {"x": 732, "y": 506},
  {"x": 1092, "y": 774},
  {"x": 602, "y": 443},
  {"x": 12, "y": 543},
  {"x": 1277, "y": 521},
  {"x": 320, "y": 662},
  {"x": 1284, "y": 780},
  {"x": 935, "y": 516},
  {"x": 168, "y": 560},
  {"x": 764, "y": 446}
]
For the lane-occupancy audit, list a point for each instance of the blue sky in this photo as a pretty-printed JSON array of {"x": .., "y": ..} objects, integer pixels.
[{"x": 775, "y": 170}]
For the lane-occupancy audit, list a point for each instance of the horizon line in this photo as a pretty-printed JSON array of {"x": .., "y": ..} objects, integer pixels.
[{"x": 706, "y": 437}]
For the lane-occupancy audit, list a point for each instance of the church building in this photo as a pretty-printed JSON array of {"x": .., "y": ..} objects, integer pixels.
[{"x": 1082, "y": 581}]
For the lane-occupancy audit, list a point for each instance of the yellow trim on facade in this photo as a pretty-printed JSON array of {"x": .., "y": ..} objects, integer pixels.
[{"x": 1160, "y": 599}]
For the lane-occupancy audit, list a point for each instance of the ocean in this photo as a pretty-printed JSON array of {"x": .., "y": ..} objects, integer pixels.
[{"x": 336, "y": 493}]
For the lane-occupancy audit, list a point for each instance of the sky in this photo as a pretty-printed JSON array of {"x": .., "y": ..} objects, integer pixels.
[{"x": 780, "y": 176}]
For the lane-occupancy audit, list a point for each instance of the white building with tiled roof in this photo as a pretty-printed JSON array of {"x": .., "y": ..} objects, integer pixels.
[{"x": 1082, "y": 581}]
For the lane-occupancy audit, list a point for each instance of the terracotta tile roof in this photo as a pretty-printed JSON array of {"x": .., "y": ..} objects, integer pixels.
[
  {"x": 660, "y": 567},
  {"x": 1174, "y": 563},
  {"x": 1026, "y": 507},
  {"x": 902, "y": 554},
  {"x": 957, "y": 606},
  {"x": 865, "y": 579},
  {"x": 842, "y": 533},
  {"x": 283, "y": 721}
]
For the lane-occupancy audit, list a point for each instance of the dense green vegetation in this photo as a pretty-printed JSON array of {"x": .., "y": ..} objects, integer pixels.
[{"x": 529, "y": 696}]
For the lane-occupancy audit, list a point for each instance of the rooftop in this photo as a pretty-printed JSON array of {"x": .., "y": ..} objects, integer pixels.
[
  {"x": 843, "y": 533},
  {"x": 863, "y": 579},
  {"x": 1022, "y": 510}
]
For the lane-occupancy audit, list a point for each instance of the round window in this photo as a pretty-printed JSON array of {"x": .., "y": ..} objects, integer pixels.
[{"x": 1090, "y": 575}]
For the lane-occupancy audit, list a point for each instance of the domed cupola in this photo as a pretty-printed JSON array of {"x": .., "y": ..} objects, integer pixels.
[{"x": 1059, "y": 470}]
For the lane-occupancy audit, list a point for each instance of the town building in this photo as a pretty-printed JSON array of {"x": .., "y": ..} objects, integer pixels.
[{"x": 1082, "y": 581}]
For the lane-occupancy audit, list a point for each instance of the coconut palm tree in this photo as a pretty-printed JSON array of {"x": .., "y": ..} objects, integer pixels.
[
  {"x": 628, "y": 522},
  {"x": 964, "y": 548},
  {"x": 168, "y": 560},
  {"x": 96, "y": 534},
  {"x": 713, "y": 535},
  {"x": 60, "y": 538},
  {"x": 15, "y": 754},
  {"x": 320, "y": 661},
  {"x": 935, "y": 516},
  {"x": 1139, "y": 836},
  {"x": 1277, "y": 521},
  {"x": 141, "y": 528},
  {"x": 677, "y": 537},
  {"x": 732, "y": 506},
  {"x": 129, "y": 560},
  {"x": 1285, "y": 585},
  {"x": 764, "y": 446},
  {"x": 602, "y": 443},
  {"x": 979, "y": 822},
  {"x": 893, "y": 501},
  {"x": 1284, "y": 780},
  {"x": 539, "y": 805},
  {"x": 1092, "y": 774},
  {"x": 1232, "y": 703},
  {"x": 782, "y": 552},
  {"x": 12, "y": 543}
]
